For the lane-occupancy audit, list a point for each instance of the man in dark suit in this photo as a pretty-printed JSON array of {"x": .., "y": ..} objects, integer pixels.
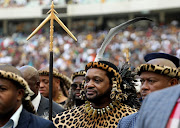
[
  {"x": 16, "y": 109},
  {"x": 160, "y": 71},
  {"x": 161, "y": 109},
  {"x": 41, "y": 104}
]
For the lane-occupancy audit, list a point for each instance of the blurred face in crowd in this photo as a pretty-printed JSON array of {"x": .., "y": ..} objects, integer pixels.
[
  {"x": 10, "y": 98},
  {"x": 151, "y": 82},
  {"x": 30, "y": 74},
  {"x": 97, "y": 84},
  {"x": 34, "y": 86},
  {"x": 44, "y": 86},
  {"x": 76, "y": 86}
]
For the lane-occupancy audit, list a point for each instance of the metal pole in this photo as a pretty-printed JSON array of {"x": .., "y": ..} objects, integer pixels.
[
  {"x": 50, "y": 84},
  {"x": 51, "y": 66},
  {"x": 51, "y": 17}
]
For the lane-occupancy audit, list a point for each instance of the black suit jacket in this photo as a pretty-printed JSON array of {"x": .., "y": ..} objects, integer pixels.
[
  {"x": 43, "y": 109},
  {"x": 28, "y": 120}
]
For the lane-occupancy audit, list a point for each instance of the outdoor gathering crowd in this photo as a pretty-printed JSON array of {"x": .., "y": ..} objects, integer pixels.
[
  {"x": 92, "y": 88},
  {"x": 70, "y": 55},
  {"x": 24, "y": 3}
]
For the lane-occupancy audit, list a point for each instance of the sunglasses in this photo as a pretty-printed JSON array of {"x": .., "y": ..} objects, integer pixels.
[{"x": 74, "y": 86}]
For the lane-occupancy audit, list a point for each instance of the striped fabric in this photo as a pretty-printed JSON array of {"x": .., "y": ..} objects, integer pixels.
[{"x": 174, "y": 120}]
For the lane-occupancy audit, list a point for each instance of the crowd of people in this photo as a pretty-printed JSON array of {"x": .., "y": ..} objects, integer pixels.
[
  {"x": 70, "y": 55},
  {"x": 102, "y": 89},
  {"x": 23, "y": 3},
  {"x": 101, "y": 95}
]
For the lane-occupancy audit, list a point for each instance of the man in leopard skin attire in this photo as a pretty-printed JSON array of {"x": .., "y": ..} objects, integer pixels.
[{"x": 109, "y": 98}]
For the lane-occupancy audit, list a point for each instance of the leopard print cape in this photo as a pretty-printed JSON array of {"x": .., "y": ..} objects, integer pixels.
[{"x": 79, "y": 118}]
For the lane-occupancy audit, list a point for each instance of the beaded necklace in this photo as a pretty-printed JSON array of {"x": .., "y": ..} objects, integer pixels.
[{"x": 94, "y": 112}]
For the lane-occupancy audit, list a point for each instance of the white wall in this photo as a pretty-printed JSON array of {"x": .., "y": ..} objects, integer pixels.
[
  {"x": 20, "y": 13},
  {"x": 92, "y": 9},
  {"x": 122, "y": 7}
]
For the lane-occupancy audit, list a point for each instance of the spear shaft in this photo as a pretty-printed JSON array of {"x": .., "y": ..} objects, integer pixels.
[{"x": 51, "y": 17}]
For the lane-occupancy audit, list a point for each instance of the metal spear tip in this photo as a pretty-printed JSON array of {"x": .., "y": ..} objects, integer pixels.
[{"x": 52, "y": 4}]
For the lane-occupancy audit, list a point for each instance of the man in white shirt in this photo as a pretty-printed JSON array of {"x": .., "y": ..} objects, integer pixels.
[
  {"x": 40, "y": 103},
  {"x": 16, "y": 109}
]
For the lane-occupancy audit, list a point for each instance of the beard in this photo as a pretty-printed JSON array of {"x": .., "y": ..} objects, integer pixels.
[
  {"x": 98, "y": 97},
  {"x": 79, "y": 102}
]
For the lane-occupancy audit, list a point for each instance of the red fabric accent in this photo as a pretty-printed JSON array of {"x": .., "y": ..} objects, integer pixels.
[{"x": 175, "y": 116}]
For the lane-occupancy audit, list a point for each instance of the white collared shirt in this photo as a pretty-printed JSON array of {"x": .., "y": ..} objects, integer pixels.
[
  {"x": 13, "y": 121},
  {"x": 36, "y": 101}
]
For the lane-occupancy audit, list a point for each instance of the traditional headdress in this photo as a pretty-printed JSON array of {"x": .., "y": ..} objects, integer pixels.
[
  {"x": 87, "y": 114},
  {"x": 11, "y": 73},
  {"x": 161, "y": 63},
  {"x": 117, "y": 92},
  {"x": 113, "y": 71},
  {"x": 78, "y": 73},
  {"x": 70, "y": 103},
  {"x": 65, "y": 81}
]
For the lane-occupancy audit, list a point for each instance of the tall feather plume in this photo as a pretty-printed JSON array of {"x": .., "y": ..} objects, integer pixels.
[{"x": 114, "y": 31}]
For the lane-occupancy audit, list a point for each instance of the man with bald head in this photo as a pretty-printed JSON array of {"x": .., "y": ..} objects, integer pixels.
[
  {"x": 159, "y": 72},
  {"x": 40, "y": 103}
]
